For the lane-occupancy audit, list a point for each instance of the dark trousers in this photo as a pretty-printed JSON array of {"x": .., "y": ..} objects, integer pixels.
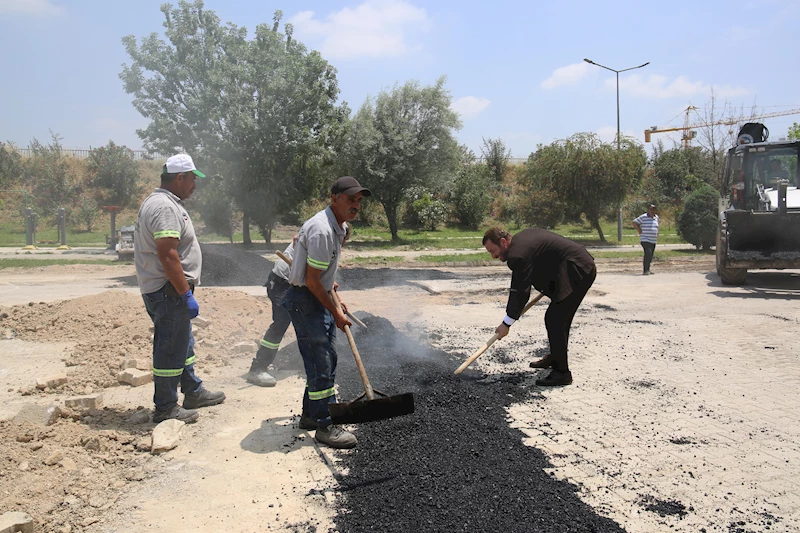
[
  {"x": 559, "y": 315},
  {"x": 276, "y": 290},
  {"x": 316, "y": 338},
  {"x": 649, "y": 252},
  {"x": 173, "y": 349}
]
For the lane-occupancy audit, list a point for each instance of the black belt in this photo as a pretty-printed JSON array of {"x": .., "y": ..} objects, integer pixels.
[{"x": 169, "y": 290}]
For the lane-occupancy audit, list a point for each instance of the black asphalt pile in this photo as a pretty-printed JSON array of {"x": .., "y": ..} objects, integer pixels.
[
  {"x": 455, "y": 464},
  {"x": 225, "y": 266}
]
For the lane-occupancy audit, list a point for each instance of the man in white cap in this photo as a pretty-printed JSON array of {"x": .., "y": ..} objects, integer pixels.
[{"x": 168, "y": 263}]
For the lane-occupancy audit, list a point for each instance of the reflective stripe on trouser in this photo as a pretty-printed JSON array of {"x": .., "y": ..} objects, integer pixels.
[
  {"x": 265, "y": 356},
  {"x": 173, "y": 349},
  {"x": 316, "y": 337}
]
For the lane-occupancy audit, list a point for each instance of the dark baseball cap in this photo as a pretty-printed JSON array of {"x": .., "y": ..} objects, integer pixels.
[{"x": 349, "y": 186}]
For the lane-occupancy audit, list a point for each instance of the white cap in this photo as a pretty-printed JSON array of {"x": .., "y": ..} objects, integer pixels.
[{"x": 181, "y": 163}]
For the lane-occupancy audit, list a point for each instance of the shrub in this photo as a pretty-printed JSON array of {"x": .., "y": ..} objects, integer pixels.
[
  {"x": 697, "y": 223},
  {"x": 87, "y": 212},
  {"x": 422, "y": 211},
  {"x": 541, "y": 208},
  {"x": 470, "y": 196},
  {"x": 115, "y": 172}
]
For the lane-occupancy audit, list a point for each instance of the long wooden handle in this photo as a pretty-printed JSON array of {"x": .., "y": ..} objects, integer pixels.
[
  {"x": 488, "y": 343},
  {"x": 350, "y": 315},
  {"x": 361, "y": 370}
]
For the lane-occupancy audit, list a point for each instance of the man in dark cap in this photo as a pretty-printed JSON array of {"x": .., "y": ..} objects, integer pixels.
[
  {"x": 561, "y": 269},
  {"x": 646, "y": 225},
  {"x": 312, "y": 311}
]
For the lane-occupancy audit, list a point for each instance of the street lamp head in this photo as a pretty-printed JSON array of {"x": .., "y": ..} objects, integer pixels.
[{"x": 589, "y": 61}]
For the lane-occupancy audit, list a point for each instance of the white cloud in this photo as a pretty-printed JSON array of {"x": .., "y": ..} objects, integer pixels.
[
  {"x": 660, "y": 87},
  {"x": 376, "y": 28},
  {"x": 470, "y": 106},
  {"x": 30, "y": 7},
  {"x": 569, "y": 75}
]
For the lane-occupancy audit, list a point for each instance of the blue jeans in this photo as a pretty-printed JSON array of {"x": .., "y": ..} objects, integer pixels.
[
  {"x": 173, "y": 349},
  {"x": 276, "y": 290},
  {"x": 316, "y": 337}
]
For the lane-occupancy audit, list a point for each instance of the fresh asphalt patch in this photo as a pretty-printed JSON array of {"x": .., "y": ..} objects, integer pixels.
[{"x": 453, "y": 465}]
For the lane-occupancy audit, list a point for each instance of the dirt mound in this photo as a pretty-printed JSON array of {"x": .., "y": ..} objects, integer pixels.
[
  {"x": 69, "y": 474},
  {"x": 113, "y": 327}
]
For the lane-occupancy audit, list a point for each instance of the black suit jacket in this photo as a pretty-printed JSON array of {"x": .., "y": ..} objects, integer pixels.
[{"x": 549, "y": 262}]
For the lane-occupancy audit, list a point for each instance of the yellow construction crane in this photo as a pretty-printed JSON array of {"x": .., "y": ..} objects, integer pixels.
[{"x": 689, "y": 133}]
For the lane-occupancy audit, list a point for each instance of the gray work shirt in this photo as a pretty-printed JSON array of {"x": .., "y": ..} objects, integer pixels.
[
  {"x": 318, "y": 245},
  {"x": 163, "y": 215}
]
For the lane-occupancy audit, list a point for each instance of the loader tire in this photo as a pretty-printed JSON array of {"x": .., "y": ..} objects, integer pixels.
[{"x": 728, "y": 276}]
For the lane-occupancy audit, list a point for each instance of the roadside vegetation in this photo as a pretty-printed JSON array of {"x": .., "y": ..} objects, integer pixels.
[{"x": 428, "y": 191}]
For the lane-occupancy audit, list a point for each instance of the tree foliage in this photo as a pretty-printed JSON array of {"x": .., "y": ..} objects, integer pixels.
[
  {"x": 216, "y": 206},
  {"x": 794, "y": 132},
  {"x": 114, "y": 173},
  {"x": 10, "y": 165},
  {"x": 470, "y": 196},
  {"x": 588, "y": 176},
  {"x": 697, "y": 223},
  {"x": 673, "y": 166},
  {"x": 52, "y": 183},
  {"x": 261, "y": 112},
  {"x": 496, "y": 157},
  {"x": 401, "y": 139}
]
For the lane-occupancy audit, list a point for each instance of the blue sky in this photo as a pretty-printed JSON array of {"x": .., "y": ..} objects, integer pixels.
[{"x": 515, "y": 69}]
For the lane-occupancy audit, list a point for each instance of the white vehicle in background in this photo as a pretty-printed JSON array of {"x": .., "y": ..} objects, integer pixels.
[{"x": 124, "y": 244}]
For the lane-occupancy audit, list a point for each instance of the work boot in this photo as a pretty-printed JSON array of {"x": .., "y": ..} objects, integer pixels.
[
  {"x": 307, "y": 423},
  {"x": 544, "y": 362},
  {"x": 262, "y": 379},
  {"x": 555, "y": 378},
  {"x": 335, "y": 437},
  {"x": 178, "y": 413},
  {"x": 204, "y": 398}
]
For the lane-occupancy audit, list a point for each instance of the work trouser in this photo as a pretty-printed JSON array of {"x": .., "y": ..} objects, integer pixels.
[
  {"x": 559, "y": 315},
  {"x": 173, "y": 348},
  {"x": 649, "y": 252},
  {"x": 316, "y": 338},
  {"x": 276, "y": 290}
]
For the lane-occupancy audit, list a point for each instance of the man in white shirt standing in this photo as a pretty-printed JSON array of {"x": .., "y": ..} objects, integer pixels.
[{"x": 647, "y": 226}]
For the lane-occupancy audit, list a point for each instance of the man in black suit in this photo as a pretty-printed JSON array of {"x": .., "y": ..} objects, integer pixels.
[{"x": 561, "y": 269}]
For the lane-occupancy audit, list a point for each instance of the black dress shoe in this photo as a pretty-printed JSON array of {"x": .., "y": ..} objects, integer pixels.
[
  {"x": 556, "y": 378},
  {"x": 544, "y": 362}
]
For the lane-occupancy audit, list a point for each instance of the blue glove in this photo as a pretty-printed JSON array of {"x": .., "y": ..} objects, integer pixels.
[{"x": 191, "y": 303}]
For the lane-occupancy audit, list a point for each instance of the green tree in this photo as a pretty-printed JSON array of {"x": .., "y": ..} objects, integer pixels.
[
  {"x": 403, "y": 139},
  {"x": 10, "y": 165},
  {"x": 261, "y": 112},
  {"x": 87, "y": 212},
  {"x": 470, "y": 195},
  {"x": 496, "y": 156},
  {"x": 672, "y": 166},
  {"x": 794, "y": 132},
  {"x": 589, "y": 176},
  {"x": 216, "y": 206},
  {"x": 697, "y": 223},
  {"x": 52, "y": 182},
  {"x": 114, "y": 173}
]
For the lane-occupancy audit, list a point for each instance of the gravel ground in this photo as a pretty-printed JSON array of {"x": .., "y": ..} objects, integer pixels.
[{"x": 455, "y": 464}]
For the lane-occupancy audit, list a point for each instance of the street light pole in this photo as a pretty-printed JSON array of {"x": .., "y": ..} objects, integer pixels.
[{"x": 619, "y": 218}]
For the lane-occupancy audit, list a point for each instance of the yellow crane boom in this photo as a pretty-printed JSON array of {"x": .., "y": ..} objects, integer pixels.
[{"x": 688, "y": 134}]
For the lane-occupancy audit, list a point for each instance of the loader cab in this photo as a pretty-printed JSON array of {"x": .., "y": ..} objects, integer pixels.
[{"x": 752, "y": 169}]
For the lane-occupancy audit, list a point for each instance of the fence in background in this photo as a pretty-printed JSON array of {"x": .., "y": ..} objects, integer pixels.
[{"x": 138, "y": 155}]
